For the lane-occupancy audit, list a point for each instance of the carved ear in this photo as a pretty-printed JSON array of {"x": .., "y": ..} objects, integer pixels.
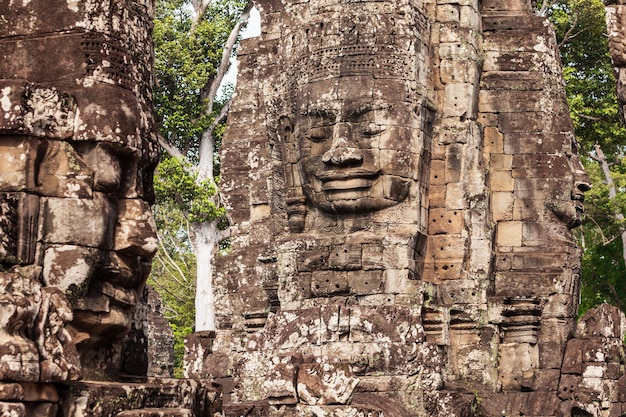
[{"x": 285, "y": 129}]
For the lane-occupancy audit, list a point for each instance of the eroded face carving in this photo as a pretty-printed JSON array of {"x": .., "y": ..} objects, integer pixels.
[
  {"x": 124, "y": 247},
  {"x": 97, "y": 235},
  {"x": 359, "y": 146},
  {"x": 570, "y": 208}
]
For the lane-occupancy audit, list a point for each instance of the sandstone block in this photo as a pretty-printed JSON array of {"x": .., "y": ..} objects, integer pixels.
[
  {"x": 515, "y": 283},
  {"x": 437, "y": 196},
  {"x": 459, "y": 292},
  {"x": 448, "y": 246},
  {"x": 494, "y": 141},
  {"x": 541, "y": 166},
  {"x": 94, "y": 229},
  {"x": 544, "y": 380},
  {"x": 345, "y": 257},
  {"x": 70, "y": 267},
  {"x": 522, "y": 122},
  {"x": 399, "y": 281},
  {"x": 518, "y": 362},
  {"x": 326, "y": 283},
  {"x": 458, "y": 71},
  {"x": 437, "y": 173},
  {"x": 398, "y": 256},
  {"x": 535, "y": 143},
  {"x": 135, "y": 233},
  {"x": 506, "y": 5},
  {"x": 372, "y": 256},
  {"x": 512, "y": 80},
  {"x": 502, "y": 61},
  {"x": 365, "y": 282},
  {"x": 457, "y": 98},
  {"x": 501, "y": 181},
  {"x": 509, "y": 234},
  {"x": 443, "y": 221},
  {"x": 501, "y": 162},
  {"x": 448, "y": 13},
  {"x": 499, "y": 101},
  {"x": 17, "y": 157},
  {"x": 456, "y": 198},
  {"x": 502, "y": 206},
  {"x": 529, "y": 209},
  {"x": 457, "y": 51}
]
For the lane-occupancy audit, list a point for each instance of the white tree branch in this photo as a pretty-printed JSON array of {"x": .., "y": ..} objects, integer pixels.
[
  {"x": 226, "y": 54},
  {"x": 617, "y": 214},
  {"x": 171, "y": 150}
]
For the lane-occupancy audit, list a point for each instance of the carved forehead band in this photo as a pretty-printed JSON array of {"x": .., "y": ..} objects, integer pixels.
[{"x": 378, "y": 61}]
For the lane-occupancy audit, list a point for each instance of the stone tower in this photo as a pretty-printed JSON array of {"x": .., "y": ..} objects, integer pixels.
[
  {"x": 77, "y": 152},
  {"x": 401, "y": 179}
]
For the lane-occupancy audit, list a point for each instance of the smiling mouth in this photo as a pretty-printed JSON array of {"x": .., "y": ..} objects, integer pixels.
[{"x": 347, "y": 180}]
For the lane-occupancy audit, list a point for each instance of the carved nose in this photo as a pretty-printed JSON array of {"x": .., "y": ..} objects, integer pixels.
[{"x": 342, "y": 150}]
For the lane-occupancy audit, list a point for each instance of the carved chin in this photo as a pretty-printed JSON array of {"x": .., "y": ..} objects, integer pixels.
[{"x": 111, "y": 325}]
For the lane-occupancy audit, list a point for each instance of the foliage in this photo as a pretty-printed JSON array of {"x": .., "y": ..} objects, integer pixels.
[
  {"x": 591, "y": 89},
  {"x": 173, "y": 269},
  {"x": 590, "y": 83},
  {"x": 188, "y": 53},
  {"x": 178, "y": 184},
  {"x": 185, "y": 63}
]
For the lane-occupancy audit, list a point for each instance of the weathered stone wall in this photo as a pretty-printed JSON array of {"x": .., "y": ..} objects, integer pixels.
[
  {"x": 77, "y": 152},
  {"x": 402, "y": 178}
]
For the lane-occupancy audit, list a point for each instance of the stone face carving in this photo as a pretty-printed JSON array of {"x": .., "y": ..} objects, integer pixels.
[
  {"x": 340, "y": 153},
  {"x": 356, "y": 153},
  {"x": 348, "y": 146},
  {"x": 402, "y": 178},
  {"x": 78, "y": 158},
  {"x": 77, "y": 151}
]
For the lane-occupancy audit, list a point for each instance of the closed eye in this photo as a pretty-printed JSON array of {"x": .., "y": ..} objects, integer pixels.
[
  {"x": 318, "y": 134},
  {"x": 372, "y": 129}
]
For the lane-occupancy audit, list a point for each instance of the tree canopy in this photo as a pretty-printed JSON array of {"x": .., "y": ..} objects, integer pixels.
[
  {"x": 194, "y": 40},
  {"x": 591, "y": 90}
]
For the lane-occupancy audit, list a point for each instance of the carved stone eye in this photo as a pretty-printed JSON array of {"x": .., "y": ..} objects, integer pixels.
[
  {"x": 372, "y": 129},
  {"x": 318, "y": 134}
]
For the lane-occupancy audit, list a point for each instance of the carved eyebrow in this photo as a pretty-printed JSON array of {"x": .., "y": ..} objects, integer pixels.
[
  {"x": 323, "y": 113},
  {"x": 366, "y": 108}
]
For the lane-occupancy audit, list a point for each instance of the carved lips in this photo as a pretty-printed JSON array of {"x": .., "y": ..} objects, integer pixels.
[{"x": 346, "y": 182}]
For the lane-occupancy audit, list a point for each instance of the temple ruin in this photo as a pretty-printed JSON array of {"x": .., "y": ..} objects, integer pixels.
[{"x": 401, "y": 179}]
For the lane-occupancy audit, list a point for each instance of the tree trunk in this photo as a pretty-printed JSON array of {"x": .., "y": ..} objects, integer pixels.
[
  {"x": 205, "y": 236},
  {"x": 619, "y": 217}
]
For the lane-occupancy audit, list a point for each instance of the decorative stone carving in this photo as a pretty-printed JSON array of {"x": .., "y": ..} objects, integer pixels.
[
  {"x": 77, "y": 151},
  {"x": 85, "y": 181},
  {"x": 402, "y": 178},
  {"x": 21, "y": 300}
]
